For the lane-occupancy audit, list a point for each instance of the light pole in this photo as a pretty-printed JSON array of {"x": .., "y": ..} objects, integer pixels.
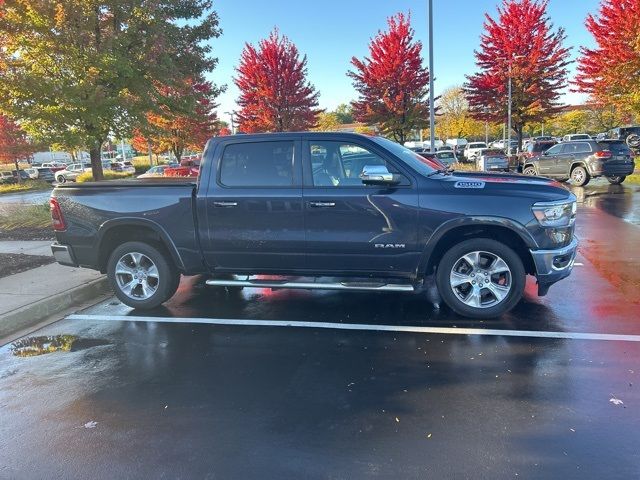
[
  {"x": 432, "y": 120},
  {"x": 486, "y": 126},
  {"x": 509, "y": 107},
  {"x": 233, "y": 128}
]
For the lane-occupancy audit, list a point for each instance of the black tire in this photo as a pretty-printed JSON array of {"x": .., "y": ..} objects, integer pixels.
[
  {"x": 61, "y": 179},
  {"x": 451, "y": 258},
  {"x": 529, "y": 171},
  {"x": 167, "y": 281},
  {"x": 616, "y": 180},
  {"x": 580, "y": 176}
]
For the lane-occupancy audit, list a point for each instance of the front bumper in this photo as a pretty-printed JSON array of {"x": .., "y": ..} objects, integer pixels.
[
  {"x": 553, "y": 265},
  {"x": 63, "y": 255}
]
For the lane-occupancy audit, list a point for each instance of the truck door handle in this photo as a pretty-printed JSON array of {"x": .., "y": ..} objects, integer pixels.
[
  {"x": 225, "y": 204},
  {"x": 322, "y": 204}
]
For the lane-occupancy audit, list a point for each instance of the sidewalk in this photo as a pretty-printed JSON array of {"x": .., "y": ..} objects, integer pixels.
[{"x": 28, "y": 298}]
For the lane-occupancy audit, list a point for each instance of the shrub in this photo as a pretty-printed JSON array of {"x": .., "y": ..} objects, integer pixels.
[
  {"x": 24, "y": 186},
  {"x": 108, "y": 175}
]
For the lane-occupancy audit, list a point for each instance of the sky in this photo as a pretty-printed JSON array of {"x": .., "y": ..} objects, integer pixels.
[{"x": 330, "y": 32}]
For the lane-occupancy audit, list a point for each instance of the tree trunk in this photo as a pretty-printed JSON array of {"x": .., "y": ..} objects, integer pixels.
[
  {"x": 150, "y": 154},
  {"x": 19, "y": 178},
  {"x": 96, "y": 161}
]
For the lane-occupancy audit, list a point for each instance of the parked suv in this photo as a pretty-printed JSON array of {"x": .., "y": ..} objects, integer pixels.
[
  {"x": 629, "y": 134},
  {"x": 581, "y": 161}
]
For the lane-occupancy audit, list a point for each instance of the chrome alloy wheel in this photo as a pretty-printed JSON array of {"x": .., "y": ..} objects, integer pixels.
[
  {"x": 480, "y": 279},
  {"x": 137, "y": 276}
]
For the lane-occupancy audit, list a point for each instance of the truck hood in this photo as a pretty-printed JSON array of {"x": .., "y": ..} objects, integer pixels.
[{"x": 507, "y": 184}]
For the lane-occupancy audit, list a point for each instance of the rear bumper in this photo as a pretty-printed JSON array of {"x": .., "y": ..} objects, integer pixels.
[
  {"x": 553, "y": 265},
  {"x": 63, "y": 255},
  {"x": 618, "y": 170}
]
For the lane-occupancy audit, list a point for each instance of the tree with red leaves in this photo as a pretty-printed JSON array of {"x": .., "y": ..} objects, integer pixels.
[
  {"x": 179, "y": 129},
  {"x": 14, "y": 144},
  {"x": 520, "y": 44},
  {"x": 275, "y": 95},
  {"x": 391, "y": 82},
  {"x": 609, "y": 72}
]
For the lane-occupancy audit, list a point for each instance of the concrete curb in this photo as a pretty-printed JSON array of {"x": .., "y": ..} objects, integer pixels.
[{"x": 31, "y": 315}]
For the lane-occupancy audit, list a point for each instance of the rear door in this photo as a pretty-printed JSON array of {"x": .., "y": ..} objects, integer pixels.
[
  {"x": 352, "y": 227},
  {"x": 571, "y": 153},
  {"x": 254, "y": 216}
]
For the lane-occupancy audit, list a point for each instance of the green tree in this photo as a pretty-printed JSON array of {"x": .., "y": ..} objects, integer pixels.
[
  {"x": 328, "y": 122},
  {"x": 344, "y": 113},
  {"x": 574, "y": 121},
  {"x": 84, "y": 69}
]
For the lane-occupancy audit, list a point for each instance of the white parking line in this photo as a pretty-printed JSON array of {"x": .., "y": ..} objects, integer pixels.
[{"x": 358, "y": 326}]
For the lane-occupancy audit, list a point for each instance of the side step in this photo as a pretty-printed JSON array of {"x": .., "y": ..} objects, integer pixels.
[{"x": 354, "y": 286}]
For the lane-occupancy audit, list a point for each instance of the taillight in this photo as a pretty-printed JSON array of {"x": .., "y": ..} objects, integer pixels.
[
  {"x": 56, "y": 216},
  {"x": 604, "y": 154}
]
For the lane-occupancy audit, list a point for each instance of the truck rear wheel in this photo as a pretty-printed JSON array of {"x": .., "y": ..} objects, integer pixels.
[
  {"x": 141, "y": 275},
  {"x": 480, "y": 278}
]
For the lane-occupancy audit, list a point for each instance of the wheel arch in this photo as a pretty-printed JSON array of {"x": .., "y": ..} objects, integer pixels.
[
  {"x": 116, "y": 232},
  {"x": 503, "y": 230}
]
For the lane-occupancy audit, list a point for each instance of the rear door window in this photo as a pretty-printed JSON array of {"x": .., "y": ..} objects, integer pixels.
[
  {"x": 576, "y": 147},
  {"x": 257, "y": 164}
]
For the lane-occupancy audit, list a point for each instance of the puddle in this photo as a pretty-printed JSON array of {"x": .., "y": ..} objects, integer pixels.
[{"x": 33, "y": 346}]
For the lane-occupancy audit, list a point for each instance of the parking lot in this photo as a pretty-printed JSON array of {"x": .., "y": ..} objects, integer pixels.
[{"x": 300, "y": 384}]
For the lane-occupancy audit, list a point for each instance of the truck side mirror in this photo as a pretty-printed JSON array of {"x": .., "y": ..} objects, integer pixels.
[{"x": 378, "y": 175}]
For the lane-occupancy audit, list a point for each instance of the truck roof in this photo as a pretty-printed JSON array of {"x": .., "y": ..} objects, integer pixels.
[{"x": 288, "y": 135}]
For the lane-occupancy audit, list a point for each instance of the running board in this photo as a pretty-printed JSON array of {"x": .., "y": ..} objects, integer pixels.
[{"x": 357, "y": 286}]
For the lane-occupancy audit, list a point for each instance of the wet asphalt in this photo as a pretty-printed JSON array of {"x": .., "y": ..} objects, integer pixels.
[{"x": 152, "y": 399}]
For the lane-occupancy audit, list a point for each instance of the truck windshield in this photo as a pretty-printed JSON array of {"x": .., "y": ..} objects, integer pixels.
[{"x": 415, "y": 161}]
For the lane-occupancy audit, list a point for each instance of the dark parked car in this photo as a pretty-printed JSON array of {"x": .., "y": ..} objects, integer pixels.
[
  {"x": 351, "y": 211},
  {"x": 581, "y": 161},
  {"x": 6, "y": 177},
  {"x": 23, "y": 175},
  {"x": 492, "y": 160},
  {"x": 629, "y": 134},
  {"x": 443, "y": 159}
]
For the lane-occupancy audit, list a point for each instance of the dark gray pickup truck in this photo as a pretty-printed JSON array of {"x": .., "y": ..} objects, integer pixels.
[{"x": 326, "y": 211}]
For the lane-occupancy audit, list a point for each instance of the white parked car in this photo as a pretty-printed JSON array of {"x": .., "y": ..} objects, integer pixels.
[
  {"x": 473, "y": 149},
  {"x": 70, "y": 173},
  {"x": 576, "y": 136}
]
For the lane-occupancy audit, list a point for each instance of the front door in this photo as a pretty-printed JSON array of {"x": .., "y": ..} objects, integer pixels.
[
  {"x": 253, "y": 207},
  {"x": 547, "y": 160},
  {"x": 354, "y": 228}
]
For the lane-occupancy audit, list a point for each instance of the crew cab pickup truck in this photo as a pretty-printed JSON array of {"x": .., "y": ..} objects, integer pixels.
[{"x": 321, "y": 211}]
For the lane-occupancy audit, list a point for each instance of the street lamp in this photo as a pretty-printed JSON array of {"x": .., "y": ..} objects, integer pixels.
[
  {"x": 432, "y": 121},
  {"x": 515, "y": 57},
  {"x": 231, "y": 114},
  {"x": 486, "y": 126}
]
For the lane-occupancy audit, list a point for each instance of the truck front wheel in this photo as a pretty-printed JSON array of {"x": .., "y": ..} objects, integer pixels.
[
  {"x": 141, "y": 275},
  {"x": 480, "y": 278}
]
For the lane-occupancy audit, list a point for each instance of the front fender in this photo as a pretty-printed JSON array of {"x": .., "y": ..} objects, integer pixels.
[{"x": 452, "y": 224}]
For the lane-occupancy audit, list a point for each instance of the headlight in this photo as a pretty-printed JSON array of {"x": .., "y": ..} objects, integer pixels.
[{"x": 555, "y": 214}]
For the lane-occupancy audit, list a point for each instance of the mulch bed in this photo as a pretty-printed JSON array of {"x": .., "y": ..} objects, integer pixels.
[
  {"x": 11, "y": 263},
  {"x": 27, "y": 234}
]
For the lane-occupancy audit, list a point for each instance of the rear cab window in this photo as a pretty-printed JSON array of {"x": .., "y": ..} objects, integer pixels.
[{"x": 257, "y": 164}]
